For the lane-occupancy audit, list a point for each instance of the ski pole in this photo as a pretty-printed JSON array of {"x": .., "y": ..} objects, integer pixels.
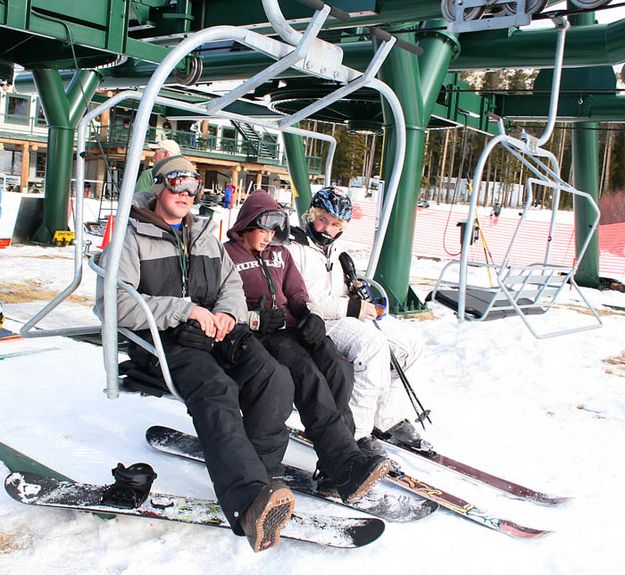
[
  {"x": 422, "y": 413},
  {"x": 349, "y": 270}
]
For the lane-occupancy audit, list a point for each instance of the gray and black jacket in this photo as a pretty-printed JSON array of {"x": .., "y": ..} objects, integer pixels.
[{"x": 152, "y": 262}]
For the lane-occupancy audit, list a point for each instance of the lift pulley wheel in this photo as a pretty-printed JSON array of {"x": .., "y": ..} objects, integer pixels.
[
  {"x": 531, "y": 7},
  {"x": 448, "y": 9}
]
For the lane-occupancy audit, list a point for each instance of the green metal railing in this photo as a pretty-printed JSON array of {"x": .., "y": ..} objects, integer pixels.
[{"x": 232, "y": 148}]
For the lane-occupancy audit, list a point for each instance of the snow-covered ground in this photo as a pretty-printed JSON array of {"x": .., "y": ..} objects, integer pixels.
[{"x": 547, "y": 413}]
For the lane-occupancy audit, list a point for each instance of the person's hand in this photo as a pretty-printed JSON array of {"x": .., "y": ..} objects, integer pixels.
[
  {"x": 206, "y": 319},
  {"x": 381, "y": 307},
  {"x": 368, "y": 311},
  {"x": 267, "y": 320},
  {"x": 312, "y": 328},
  {"x": 224, "y": 323}
]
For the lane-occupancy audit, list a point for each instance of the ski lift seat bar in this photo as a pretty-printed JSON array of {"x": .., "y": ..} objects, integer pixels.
[
  {"x": 521, "y": 291},
  {"x": 484, "y": 303}
]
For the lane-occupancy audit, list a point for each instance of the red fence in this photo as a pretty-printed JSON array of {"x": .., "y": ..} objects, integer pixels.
[{"x": 438, "y": 236}]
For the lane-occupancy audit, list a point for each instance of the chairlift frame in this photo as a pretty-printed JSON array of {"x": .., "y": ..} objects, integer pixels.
[
  {"x": 302, "y": 51},
  {"x": 535, "y": 287}
]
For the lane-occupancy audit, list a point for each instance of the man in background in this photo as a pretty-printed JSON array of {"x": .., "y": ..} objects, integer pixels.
[{"x": 162, "y": 150}]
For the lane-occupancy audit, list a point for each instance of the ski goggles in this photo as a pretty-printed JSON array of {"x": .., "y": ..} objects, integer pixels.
[
  {"x": 182, "y": 181},
  {"x": 272, "y": 221}
]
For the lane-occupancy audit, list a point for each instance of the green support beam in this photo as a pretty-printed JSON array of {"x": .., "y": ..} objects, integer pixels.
[
  {"x": 517, "y": 48},
  {"x": 586, "y": 178},
  {"x": 417, "y": 82},
  {"x": 587, "y": 44},
  {"x": 63, "y": 110},
  {"x": 575, "y": 107},
  {"x": 298, "y": 169},
  {"x": 102, "y": 27},
  {"x": 363, "y": 12},
  {"x": 58, "y": 34}
]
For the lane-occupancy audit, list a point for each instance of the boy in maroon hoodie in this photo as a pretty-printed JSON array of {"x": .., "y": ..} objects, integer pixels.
[{"x": 280, "y": 318}]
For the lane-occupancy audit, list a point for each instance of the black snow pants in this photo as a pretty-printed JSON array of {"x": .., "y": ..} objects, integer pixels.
[
  {"x": 314, "y": 398},
  {"x": 239, "y": 412},
  {"x": 339, "y": 375}
]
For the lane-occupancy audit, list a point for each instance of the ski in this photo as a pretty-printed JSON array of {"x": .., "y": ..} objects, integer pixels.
[
  {"x": 447, "y": 500},
  {"x": 510, "y": 488},
  {"x": 6, "y": 334},
  {"x": 34, "y": 489},
  {"x": 378, "y": 502},
  {"x": 26, "y": 352}
]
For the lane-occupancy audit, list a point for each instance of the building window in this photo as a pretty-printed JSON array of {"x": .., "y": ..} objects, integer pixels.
[
  {"x": 17, "y": 109},
  {"x": 11, "y": 160},
  {"x": 41, "y": 117},
  {"x": 229, "y": 140},
  {"x": 40, "y": 165}
]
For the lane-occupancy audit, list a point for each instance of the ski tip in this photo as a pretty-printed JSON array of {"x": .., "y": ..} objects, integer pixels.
[
  {"x": 159, "y": 434},
  {"x": 550, "y": 500},
  {"x": 11, "y": 478},
  {"x": 516, "y": 530},
  {"x": 430, "y": 507},
  {"x": 338, "y": 532},
  {"x": 361, "y": 537},
  {"x": 22, "y": 485},
  {"x": 156, "y": 430}
]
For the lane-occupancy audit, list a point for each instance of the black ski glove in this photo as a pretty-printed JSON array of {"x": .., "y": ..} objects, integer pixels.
[
  {"x": 190, "y": 334},
  {"x": 233, "y": 344},
  {"x": 267, "y": 320},
  {"x": 311, "y": 327}
]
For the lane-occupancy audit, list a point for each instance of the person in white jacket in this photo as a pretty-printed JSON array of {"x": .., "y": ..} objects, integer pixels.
[{"x": 379, "y": 399}]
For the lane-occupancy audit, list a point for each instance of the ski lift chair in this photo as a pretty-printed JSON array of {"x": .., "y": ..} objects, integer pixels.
[
  {"x": 305, "y": 52},
  {"x": 522, "y": 290},
  {"x": 531, "y": 289}
]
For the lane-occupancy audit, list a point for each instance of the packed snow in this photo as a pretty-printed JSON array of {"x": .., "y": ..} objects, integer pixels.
[{"x": 549, "y": 414}]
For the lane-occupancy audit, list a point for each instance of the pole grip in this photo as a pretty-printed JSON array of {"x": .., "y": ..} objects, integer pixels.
[
  {"x": 334, "y": 12},
  {"x": 386, "y": 36}
]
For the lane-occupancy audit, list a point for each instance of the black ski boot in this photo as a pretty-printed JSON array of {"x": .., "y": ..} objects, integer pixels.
[
  {"x": 404, "y": 433},
  {"x": 361, "y": 475},
  {"x": 325, "y": 485},
  {"x": 132, "y": 486},
  {"x": 370, "y": 446}
]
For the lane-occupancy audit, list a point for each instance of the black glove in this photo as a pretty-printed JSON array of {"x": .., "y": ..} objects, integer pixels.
[
  {"x": 267, "y": 320},
  {"x": 190, "y": 334},
  {"x": 312, "y": 328},
  {"x": 229, "y": 349}
]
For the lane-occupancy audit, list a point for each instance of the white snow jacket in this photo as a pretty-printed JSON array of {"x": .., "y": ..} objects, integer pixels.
[
  {"x": 323, "y": 277},
  {"x": 378, "y": 399}
]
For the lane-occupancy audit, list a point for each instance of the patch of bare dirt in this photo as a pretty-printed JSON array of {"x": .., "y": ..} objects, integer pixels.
[
  {"x": 46, "y": 257},
  {"x": 22, "y": 293},
  {"x": 422, "y": 281},
  {"x": 10, "y": 542},
  {"x": 585, "y": 311},
  {"x": 616, "y": 365}
]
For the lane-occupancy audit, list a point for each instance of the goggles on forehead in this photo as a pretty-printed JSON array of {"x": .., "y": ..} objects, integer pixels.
[
  {"x": 181, "y": 181},
  {"x": 272, "y": 221}
]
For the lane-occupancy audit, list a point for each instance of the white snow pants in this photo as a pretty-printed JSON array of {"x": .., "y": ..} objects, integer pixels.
[{"x": 378, "y": 399}]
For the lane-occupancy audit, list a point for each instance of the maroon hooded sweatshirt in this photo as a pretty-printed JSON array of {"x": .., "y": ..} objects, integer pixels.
[{"x": 289, "y": 288}]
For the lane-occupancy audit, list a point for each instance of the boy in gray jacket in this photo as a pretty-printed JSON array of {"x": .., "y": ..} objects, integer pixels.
[{"x": 238, "y": 396}]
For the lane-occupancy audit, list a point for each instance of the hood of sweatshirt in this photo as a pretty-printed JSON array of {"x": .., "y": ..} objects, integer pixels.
[{"x": 258, "y": 202}]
